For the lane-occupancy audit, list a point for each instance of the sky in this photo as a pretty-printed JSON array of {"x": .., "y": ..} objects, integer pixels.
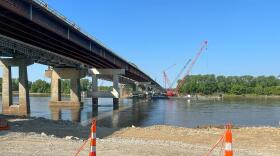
[{"x": 243, "y": 35}]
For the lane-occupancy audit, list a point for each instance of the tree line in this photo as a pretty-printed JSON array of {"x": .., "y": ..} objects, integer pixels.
[
  {"x": 42, "y": 86},
  {"x": 195, "y": 84},
  {"x": 236, "y": 85}
]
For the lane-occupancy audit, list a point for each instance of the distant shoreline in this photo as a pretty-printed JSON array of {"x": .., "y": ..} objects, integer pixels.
[
  {"x": 199, "y": 97},
  {"x": 228, "y": 96},
  {"x": 253, "y": 96}
]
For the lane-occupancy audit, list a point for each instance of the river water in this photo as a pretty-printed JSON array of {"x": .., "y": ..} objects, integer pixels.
[{"x": 241, "y": 112}]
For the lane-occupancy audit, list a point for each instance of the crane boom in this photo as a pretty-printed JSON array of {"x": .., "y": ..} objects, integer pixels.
[
  {"x": 204, "y": 46},
  {"x": 180, "y": 73},
  {"x": 166, "y": 80}
]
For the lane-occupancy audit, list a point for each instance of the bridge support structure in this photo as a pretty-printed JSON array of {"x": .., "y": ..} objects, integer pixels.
[
  {"x": 141, "y": 88},
  {"x": 114, "y": 75},
  {"x": 56, "y": 74},
  {"x": 23, "y": 106}
]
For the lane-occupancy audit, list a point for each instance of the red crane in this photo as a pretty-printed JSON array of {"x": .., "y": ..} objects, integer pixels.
[
  {"x": 181, "y": 83},
  {"x": 180, "y": 73},
  {"x": 170, "y": 91},
  {"x": 166, "y": 80}
]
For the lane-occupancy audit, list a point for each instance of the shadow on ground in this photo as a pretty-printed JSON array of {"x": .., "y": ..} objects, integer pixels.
[
  {"x": 59, "y": 128},
  {"x": 108, "y": 122}
]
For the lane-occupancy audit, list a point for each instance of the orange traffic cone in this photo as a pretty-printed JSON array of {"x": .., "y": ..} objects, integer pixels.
[
  {"x": 228, "y": 141},
  {"x": 93, "y": 139}
]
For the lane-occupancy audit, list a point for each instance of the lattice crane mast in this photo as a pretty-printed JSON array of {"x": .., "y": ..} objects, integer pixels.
[
  {"x": 183, "y": 81},
  {"x": 166, "y": 80},
  {"x": 170, "y": 91}
]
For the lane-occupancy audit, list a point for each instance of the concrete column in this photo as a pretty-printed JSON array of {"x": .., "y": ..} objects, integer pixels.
[
  {"x": 116, "y": 85},
  {"x": 7, "y": 97},
  {"x": 116, "y": 89},
  {"x": 94, "y": 89},
  {"x": 107, "y": 74},
  {"x": 24, "y": 101},
  {"x": 23, "y": 107},
  {"x": 75, "y": 90},
  {"x": 56, "y": 74},
  {"x": 116, "y": 103},
  {"x": 55, "y": 87}
]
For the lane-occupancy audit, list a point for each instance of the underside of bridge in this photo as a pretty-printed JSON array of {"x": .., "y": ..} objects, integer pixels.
[
  {"x": 28, "y": 22},
  {"x": 32, "y": 33}
]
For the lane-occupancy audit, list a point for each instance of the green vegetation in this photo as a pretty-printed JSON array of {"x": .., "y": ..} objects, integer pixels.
[
  {"x": 195, "y": 84},
  {"x": 41, "y": 86},
  {"x": 15, "y": 83},
  {"x": 236, "y": 85}
]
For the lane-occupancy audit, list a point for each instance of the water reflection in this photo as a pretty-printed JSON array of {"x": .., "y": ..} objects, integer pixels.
[
  {"x": 245, "y": 112},
  {"x": 74, "y": 111}
]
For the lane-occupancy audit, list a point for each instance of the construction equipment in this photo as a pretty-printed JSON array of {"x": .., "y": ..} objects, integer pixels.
[
  {"x": 180, "y": 73},
  {"x": 166, "y": 80},
  {"x": 183, "y": 81},
  {"x": 170, "y": 91}
]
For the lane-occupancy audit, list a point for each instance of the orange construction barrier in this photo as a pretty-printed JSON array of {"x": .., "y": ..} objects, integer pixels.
[
  {"x": 228, "y": 141},
  {"x": 93, "y": 139},
  {"x": 4, "y": 124}
]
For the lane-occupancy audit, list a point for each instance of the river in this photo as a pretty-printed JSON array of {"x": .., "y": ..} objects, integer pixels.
[{"x": 241, "y": 112}]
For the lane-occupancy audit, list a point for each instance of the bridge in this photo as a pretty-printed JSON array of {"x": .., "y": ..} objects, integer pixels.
[{"x": 32, "y": 32}]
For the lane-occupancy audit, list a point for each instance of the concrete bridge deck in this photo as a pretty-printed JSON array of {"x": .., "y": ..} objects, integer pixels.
[
  {"x": 32, "y": 23},
  {"x": 31, "y": 32}
]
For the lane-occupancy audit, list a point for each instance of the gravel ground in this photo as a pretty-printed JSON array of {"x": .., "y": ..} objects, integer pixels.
[{"x": 59, "y": 138}]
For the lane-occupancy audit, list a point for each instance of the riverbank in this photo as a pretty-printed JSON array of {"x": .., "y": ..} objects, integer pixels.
[
  {"x": 251, "y": 96},
  {"x": 38, "y": 136},
  {"x": 228, "y": 97},
  {"x": 16, "y": 93}
]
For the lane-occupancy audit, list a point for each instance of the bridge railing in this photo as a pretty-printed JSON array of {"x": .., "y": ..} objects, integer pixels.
[{"x": 74, "y": 25}]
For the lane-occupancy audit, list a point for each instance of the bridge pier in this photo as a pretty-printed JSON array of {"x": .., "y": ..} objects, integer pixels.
[
  {"x": 56, "y": 74},
  {"x": 94, "y": 90},
  {"x": 114, "y": 75},
  {"x": 136, "y": 88},
  {"x": 23, "y": 106},
  {"x": 141, "y": 88},
  {"x": 116, "y": 90}
]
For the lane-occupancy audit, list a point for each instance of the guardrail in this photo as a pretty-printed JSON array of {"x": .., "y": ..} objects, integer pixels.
[{"x": 75, "y": 26}]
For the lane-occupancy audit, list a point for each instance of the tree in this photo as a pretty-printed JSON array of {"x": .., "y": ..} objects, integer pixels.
[
  {"x": 85, "y": 85},
  {"x": 65, "y": 86},
  {"x": 237, "y": 89},
  {"x": 209, "y": 84},
  {"x": 40, "y": 86},
  {"x": 222, "y": 86},
  {"x": 15, "y": 84}
]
